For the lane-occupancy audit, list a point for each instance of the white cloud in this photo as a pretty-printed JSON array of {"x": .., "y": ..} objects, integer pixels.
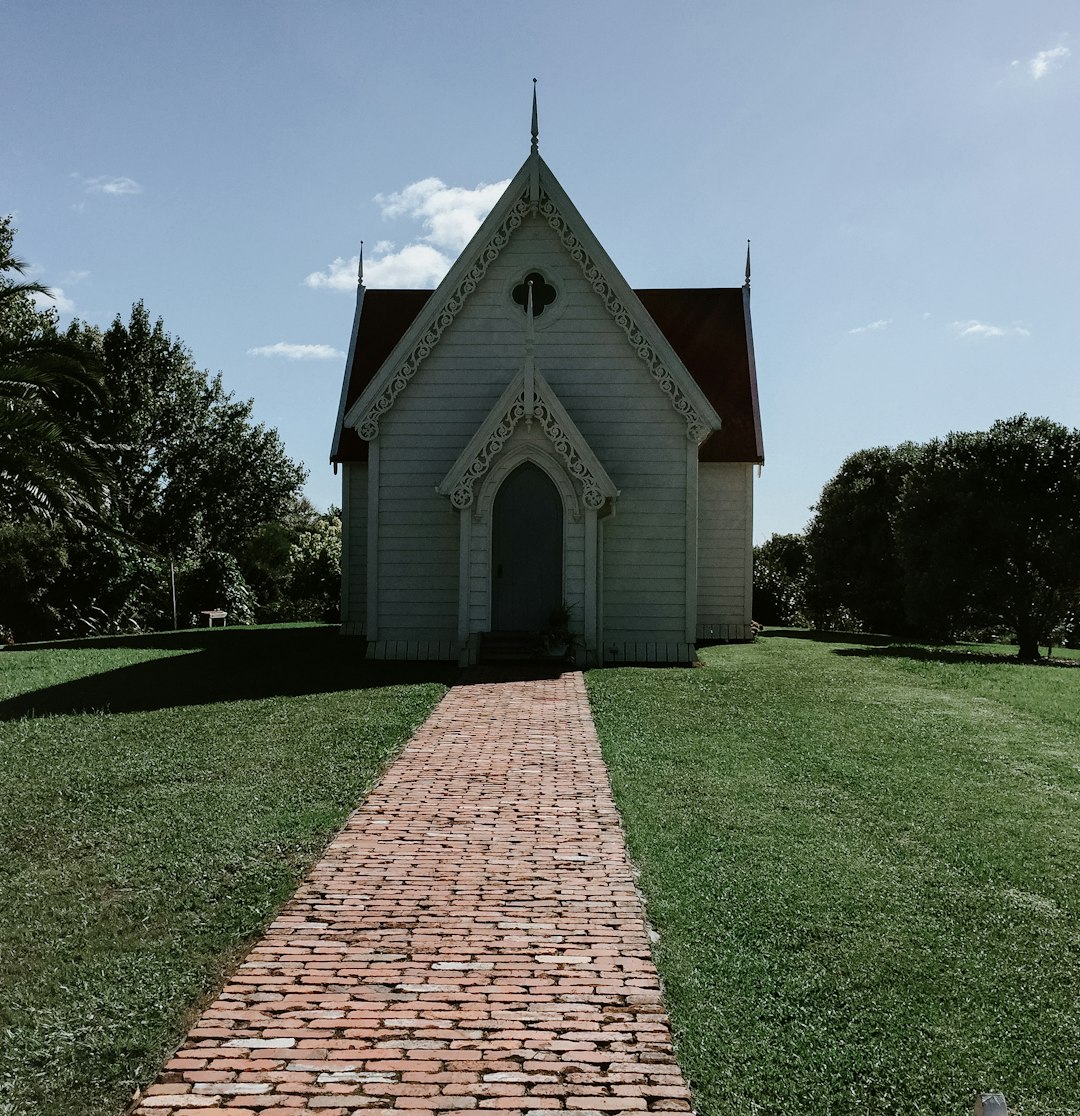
[
  {"x": 55, "y": 299},
  {"x": 975, "y": 328},
  {"x": 297, "y": 352},
  {"x": 450, "y": 214},
  {"x": 448, "y": 217},
  {"x": 74, "y": 277},
  {"x": 416, "y": 265},
  {"x": 104, "y": 184},
  {"x": 340, "y": 275},
  {"x": 1047, "y": 60},
  {"x": 873, "y": 327}
]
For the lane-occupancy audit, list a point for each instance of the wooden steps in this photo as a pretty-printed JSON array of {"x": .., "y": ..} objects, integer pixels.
[{"x": 510, "y": 647}]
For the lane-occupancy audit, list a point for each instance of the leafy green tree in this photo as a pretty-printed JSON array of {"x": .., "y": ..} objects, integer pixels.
[
  {"x": 214, "y": 581},
  {"x": 196, "y": 481},
  {"x": 194, "y": 472},
  {"x": 33, "y": 561},
  {"x": 294, "y": 565},
  {"x": 112, "y": 585},
  {"x": 315, "y": 567},
  {"x": 988, "y": 528},
  {"x": 51, "y": 468},
  {"x": 779, "y": 580},
  {"x": 854, "y": 568}
]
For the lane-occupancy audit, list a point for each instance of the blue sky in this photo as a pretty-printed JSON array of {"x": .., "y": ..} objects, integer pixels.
[{"x": 908, "y": 175}]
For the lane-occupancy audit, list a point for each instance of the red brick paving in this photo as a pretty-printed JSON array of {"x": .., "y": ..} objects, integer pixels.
[{"x": 472, "y": 939}]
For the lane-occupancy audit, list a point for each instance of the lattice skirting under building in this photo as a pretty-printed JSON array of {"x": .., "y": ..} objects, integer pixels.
[
  {"x": 413, "y": 649},
  {"x": 657, "y": 651},
  {"x": 724, "y": 633}
]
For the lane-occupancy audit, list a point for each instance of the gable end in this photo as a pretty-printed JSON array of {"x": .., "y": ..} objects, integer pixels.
[
  {"x": 367, "y": 421},
  {"x": 698, "y": 424},
  {"x": 552, "y": 205}
]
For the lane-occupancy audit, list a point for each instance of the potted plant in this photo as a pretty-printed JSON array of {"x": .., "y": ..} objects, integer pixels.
[{"x": 556, "y": 638}]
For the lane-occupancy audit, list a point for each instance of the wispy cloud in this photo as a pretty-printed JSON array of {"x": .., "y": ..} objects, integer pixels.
[
  {"x": 74, "y": 277},
  {"x": 1045, "y": 61},
  {"x": 54, "y": 300},
  {"x": 873, "y": 327},
  {"x": 104, "y": 184},
  {"x": 975, "y": 328},
  {"x": 448, "y": 216},
  {"x": 297, "y": 352}
]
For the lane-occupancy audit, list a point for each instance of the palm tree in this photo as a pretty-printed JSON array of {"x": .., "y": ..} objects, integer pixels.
[{"x": 49, "y": 467}]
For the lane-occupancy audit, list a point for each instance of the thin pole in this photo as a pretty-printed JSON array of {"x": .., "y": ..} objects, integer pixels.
[{"x": 172, "y": 579}]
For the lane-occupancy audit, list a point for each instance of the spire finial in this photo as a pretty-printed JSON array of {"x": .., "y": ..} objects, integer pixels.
[
  {"x": 360, "y": 267},
  {"x": 535, "y": 122},
  {"x": 747, "y": 283}
]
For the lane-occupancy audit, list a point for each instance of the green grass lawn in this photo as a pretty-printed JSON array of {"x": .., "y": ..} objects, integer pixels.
[
  {"x": 161, "y": 796},
  {"x": 863, "y": 862}
]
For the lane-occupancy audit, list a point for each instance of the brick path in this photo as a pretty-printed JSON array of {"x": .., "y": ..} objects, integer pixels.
[{"x": 471, "y": 939}]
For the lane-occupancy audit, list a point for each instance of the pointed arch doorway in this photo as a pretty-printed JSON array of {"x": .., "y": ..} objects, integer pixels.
[{"x": 526, "y": 551}]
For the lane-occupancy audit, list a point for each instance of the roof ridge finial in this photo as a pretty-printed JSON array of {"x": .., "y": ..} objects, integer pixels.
[
  {"x": 534, "y": 158},
  {"x": 360, "y": 267},
  {"x": 535, "y": 122},
  {"x": 747, "y": 283}
]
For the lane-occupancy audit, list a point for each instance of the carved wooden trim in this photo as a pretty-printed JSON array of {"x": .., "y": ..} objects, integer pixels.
[
  {"x": 696, "y": 427},
  {"x": 368, "y": 426},
  {"x": 592, "y": 489}
]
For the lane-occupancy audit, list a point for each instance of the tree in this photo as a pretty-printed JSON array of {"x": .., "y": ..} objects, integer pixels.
[
  {"x": 194, "y": 472},
  {"x": 50, "y": 467},
  {"x": 779, "y": 579},
  {"x": 294, "y": 565},
  {"x": 33, "y": 560},
  {"x": 988, "y": 527},
  {"x": 853, "y": 563},
  {"x": 315, "y": 567},
  {"x": 194, "y": 481}
]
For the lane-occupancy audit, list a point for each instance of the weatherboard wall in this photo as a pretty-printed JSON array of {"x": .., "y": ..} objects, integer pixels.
[
  {"x": 354, "y": 503},
  {"x": 725, "y": 526},
  {"x": 626, "y": 419}
]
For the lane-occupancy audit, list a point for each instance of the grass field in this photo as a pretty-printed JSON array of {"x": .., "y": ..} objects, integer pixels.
[
  {"x": 160, "y": 797},
  {"x": 862, "y": 861},
  {"x": 861, "y": 858}
]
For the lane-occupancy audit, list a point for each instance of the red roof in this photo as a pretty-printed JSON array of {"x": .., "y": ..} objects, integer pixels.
[{"x": 707, "y": 327}]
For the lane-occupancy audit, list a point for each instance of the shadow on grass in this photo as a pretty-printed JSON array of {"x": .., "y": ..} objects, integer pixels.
[
  {"x": 224, "y": 664},
  {"x": 869, "y": 639},
  {"x": 945, "y": 655}
]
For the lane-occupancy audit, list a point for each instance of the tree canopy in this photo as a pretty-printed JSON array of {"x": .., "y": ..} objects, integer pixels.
[
  {"x": 853, "y": 565},
  {"x": 123, "y": 465},
  {"x": 988, "y": 527},
  {"x": 971, "y": 534},
  {"x": 51, "y": 467},
  {"x": 194, "y": 472},
  {"x": 780, "y": 580}
]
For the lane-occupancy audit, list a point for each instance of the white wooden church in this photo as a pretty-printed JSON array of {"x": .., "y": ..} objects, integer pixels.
[{"x": 535, "y": 436}]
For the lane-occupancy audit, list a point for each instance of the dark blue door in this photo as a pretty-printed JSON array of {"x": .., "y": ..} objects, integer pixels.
[{"x": 526, "y": 551}]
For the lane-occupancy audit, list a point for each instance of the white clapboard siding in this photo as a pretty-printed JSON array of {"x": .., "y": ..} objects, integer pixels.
[
  {"x": 354, "y": 501},
  {"x": 623, "y": 415},
  {"x": 725, "y": 526}
]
